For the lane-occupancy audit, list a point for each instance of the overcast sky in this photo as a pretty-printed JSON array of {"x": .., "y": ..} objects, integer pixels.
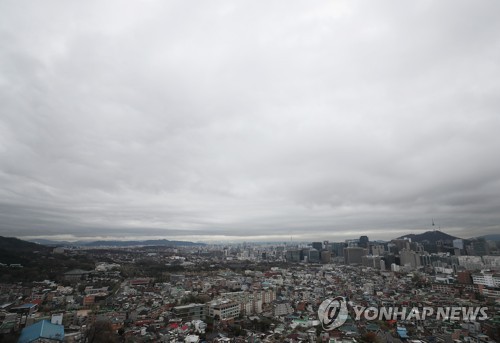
[{"x": 249, "y": 120}]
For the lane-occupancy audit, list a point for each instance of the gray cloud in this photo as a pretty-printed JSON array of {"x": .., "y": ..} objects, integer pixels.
[{"x": 248, "y": 120}]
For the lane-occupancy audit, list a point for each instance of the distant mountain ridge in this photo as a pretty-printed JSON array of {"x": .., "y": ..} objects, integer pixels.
[
  {"x": 49, "y": 242},
  {"x": 8, "y": 242},
  {"x": 151, "y": 242},
  {"x": 12, "y": 244},
  {"x": 429, "y": 236},
  {"x": 17, "y": 251},
  {"x": 492, "y": 237}
]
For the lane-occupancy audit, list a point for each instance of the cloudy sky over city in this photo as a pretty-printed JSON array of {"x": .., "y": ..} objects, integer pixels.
[{"x": 251, "y": 120}]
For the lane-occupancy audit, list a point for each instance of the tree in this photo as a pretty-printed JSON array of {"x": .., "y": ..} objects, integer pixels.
[
  {"x": 101, "y": 331},
  {"x": 370, "y": 337}
]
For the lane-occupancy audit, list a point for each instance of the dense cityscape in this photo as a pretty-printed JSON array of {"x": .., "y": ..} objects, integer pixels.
[
  {"x": 248, "y": 292},
  {"x": 249, "y": 171}
]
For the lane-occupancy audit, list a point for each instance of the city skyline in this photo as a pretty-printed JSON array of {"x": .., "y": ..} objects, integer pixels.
[
  {"x": 249, "y": 121},
  {"x": 342, "y": 237}
]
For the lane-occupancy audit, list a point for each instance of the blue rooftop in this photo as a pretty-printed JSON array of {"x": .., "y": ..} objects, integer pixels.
[
  {"x": 402, "y": 332},
  {"x": 43, "y": 329}
]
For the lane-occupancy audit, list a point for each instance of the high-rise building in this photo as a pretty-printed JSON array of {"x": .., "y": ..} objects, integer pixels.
[
  {"x": 317, "y": 245},
  {"x": 458, "y": 243},
  {"x": 313, "y": 256},
  {"x": 378, "y": 250},
  {"x": 292, "y": 255},
  {"x": 338, "y": 248},
  {"x": 352, "y": 242},
  {"x": 353, "y": 255},
  {"x": 480, "y": 247},
  {"x": 425, "y": 259},
  {"x": 382, "y": 265},
  {"x": 401, "y": 244},
  {"x": 389, "y": 259},
  {"x": 304, "y": 254},
  {"x": 363, "y": 242},
  {"x": 371, "y": 261},
  {"x": 409, "y": 258}
]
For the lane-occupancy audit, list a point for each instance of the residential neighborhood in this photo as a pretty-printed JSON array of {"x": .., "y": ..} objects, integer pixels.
[{"x": 257, "y": 293}]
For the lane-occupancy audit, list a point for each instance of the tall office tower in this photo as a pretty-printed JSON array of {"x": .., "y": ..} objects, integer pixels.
[
  {"x": 409, "y": 258},
  {"x": 353, "y": 255},
  {"x": 378, "y": 250},
  {"x": 481, "y": 247},
  {"x": 458, "y": 243},
  {"x": 313, "y": 256},
  {"x": 317, "y": 245},
  {"x": 292, "y": 255},
  {"x": 401, "y": 244},
  {"x": 338, "y": 248},
  {"x": 363, "y": 242}
]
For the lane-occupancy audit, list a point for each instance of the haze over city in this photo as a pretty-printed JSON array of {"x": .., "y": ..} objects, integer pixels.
[{"x": 248, "y": 121}]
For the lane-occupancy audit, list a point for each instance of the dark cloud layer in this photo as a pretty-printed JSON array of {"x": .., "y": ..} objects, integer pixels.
[{"x": 248, "y": 120}]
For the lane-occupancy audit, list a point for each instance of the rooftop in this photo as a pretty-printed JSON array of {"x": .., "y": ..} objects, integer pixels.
[{"x": 43, "y": 329}]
